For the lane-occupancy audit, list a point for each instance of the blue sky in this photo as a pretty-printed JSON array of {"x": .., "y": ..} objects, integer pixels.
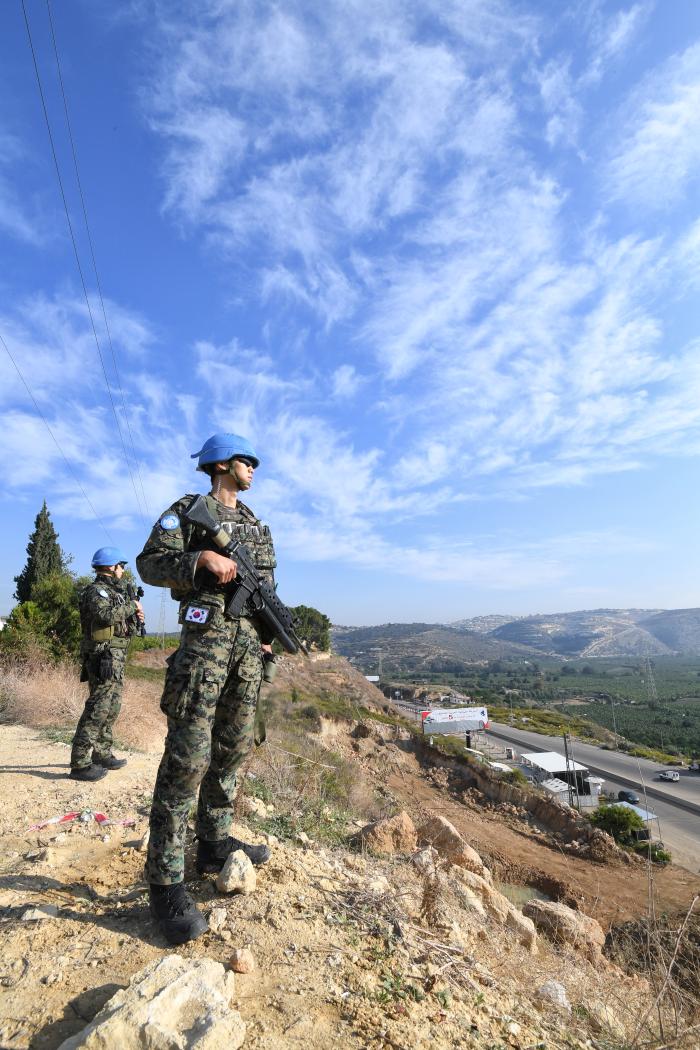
[{"x": 440, "y": 263}]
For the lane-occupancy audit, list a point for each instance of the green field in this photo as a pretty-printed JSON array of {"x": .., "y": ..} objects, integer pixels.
[{"x": 669, "y": 724}]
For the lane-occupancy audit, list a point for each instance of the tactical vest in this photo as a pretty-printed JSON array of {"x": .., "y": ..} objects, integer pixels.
[
  {"x": 117, "y": 632},
  {"x": 255, "y": 537}
]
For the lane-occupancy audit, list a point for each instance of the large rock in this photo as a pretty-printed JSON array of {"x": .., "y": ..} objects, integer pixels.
[
  {"x": 392, "y": 835},
  {"x": 477, "y": 893},
  {"x": 555, "y": 993},
  {"x": 254, "y": 807},
  {"x": 237, "y": 875},
  {"x": 172, "y": 1004},
  {"x": 444, "y": 837},
  {"x": 563, "y": 925},
  {"x": 242, "y": 961}
]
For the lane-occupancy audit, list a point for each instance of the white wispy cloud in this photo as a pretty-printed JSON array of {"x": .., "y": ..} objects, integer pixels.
[
  {"x": 19, "y": 218},
  {"x": 444, "y": 319},
  {"x": 346, "y": 381},
  {"x": 382, "y": 171},
  {"x": 657, "y": 150},
  {"x": 612, "y": 34}
]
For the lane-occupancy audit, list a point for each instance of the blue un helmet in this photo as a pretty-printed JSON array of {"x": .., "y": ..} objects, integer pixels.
[
  {"x": 219, "y": 448},
  {"x": 107, "y": 556}
]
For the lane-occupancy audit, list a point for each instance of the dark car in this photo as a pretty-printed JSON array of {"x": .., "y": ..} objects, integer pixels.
[{"x": 628, "y": 796}]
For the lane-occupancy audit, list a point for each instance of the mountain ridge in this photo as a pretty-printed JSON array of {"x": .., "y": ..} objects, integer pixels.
[{"x": 587, "y": 633}]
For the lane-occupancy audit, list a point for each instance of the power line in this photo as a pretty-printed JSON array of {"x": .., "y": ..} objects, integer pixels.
[
  {"x": 92, "y": 254},
  {"x": 77, "y": 257},
  {"x": 55, "y": 439}
]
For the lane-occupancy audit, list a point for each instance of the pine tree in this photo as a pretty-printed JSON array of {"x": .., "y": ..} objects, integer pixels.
[{"x": 44, "y": 556}]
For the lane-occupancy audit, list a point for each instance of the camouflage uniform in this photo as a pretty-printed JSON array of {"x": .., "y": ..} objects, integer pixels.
[
  {"x": 211, "y": 685},
  {"x": 104, "y": 613}
]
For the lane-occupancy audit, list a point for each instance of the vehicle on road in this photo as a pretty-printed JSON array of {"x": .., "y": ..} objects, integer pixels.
[
  {"x": 669, "y": 774},
  {"x": 628, "y": 796}
]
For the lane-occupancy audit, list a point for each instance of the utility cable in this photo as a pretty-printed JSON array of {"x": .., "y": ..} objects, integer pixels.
[
  {"x": 77, "y": 257},
  {"x": 92, "y": 255},
  {"x": 55, "y": 439}
]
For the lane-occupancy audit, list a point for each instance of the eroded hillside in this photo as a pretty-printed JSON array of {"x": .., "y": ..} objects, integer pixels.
[{"x": 395, "y": 936}]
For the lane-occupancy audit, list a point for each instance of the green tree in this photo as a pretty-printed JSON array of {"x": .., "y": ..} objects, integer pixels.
[
  {"x": 24, "y": 631},
  {"x": 619, "y": 821},
  {"x": 57, "y": 599},
  {"x": 44, "y": 556},
  {"x": 313, "y": 626},
  {"x": 49, "y": 621}
]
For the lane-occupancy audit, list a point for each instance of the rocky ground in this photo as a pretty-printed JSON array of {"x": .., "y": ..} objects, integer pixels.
[{"x": 399, "y": 938}]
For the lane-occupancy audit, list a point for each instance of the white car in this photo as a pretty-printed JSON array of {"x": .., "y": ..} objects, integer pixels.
[{"x": 669, "y": 774}]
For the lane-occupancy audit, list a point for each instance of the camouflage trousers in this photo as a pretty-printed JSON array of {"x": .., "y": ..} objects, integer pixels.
[
  {"x": 210, "y": 698},
  {"x": 93, "y": 736}
]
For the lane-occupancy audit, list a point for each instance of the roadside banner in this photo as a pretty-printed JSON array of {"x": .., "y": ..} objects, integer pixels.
[{"x": 455, "y": 721}]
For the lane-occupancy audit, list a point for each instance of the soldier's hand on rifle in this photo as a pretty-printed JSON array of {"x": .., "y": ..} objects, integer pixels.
[
  {"x": 223, "y": 568},
  {"x": 140, "y": 615}
]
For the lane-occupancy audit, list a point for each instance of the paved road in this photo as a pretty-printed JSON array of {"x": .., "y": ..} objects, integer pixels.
[{"x": 676, "y": 805}]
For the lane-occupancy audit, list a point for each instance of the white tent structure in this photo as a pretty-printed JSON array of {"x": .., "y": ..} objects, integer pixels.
[{"x": 567, "y": 780}]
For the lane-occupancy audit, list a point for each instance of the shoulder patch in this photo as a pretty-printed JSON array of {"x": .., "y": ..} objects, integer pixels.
[
  {"x": 169, "y": 522},
  {"x": 103, "y": 594}
]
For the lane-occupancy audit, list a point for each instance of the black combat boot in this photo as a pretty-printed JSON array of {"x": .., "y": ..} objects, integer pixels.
[
  {"x": 89, "y": 773},
  {"x": 211, "y": 856},
  {"x": 110, "y": 762},
  {"x": 175, "y": 914}
]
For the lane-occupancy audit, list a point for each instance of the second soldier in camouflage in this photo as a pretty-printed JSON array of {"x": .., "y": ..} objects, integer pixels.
[{"x": 108, "y": 618}]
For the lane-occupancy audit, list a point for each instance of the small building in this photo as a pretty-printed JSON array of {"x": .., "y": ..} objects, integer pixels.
[
  {"x": 559, "y": 788},
  {"x": 647, "y": 816},
  {"x": 566, "y": 780}
]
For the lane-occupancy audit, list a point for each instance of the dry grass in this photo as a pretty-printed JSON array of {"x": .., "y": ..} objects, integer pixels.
[
  {"x": 42, "y": 694},
  {"x": 665, "y": 950}
]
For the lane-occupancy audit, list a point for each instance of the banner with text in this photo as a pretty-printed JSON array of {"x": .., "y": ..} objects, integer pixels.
[{"x": 450, "y": 721}]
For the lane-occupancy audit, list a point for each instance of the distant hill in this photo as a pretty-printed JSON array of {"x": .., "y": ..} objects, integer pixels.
[
  {"x": 484, "y": 624},
  {"x": 421, "y": 648},
  {"x": 679, "y": 629},
  {"x": 596, "y": 632},
  {"x": 413, "y": 647}
]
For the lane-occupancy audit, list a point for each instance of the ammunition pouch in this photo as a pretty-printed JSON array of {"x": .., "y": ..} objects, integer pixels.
[
  {"x": 269, "y": 667},
  {"x": 104, "y": 666},
  {"x": 102, "y": 634}
]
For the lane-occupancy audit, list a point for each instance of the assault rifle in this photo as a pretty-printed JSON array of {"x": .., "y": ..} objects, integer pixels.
[
  {"x": 249, "y": 585},
  {"x": 133, "y": 594}
]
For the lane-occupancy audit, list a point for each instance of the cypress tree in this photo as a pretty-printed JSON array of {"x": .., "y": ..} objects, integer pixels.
[{"x": 44, "y": 556}]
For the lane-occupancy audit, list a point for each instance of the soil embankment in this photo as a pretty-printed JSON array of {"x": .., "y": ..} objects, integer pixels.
[{"x": 326, "y": 966}]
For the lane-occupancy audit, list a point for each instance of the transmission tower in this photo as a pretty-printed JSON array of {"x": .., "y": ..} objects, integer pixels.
[{"x": 652, "y": 695}]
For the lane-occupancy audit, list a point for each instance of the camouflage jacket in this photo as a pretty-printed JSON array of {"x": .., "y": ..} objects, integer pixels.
[
  {"x": 104, "y": 612},
  {"x": 172, "y": 551}
]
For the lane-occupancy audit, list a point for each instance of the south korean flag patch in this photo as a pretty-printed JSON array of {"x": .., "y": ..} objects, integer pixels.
[{"x": 197, "y": 614}]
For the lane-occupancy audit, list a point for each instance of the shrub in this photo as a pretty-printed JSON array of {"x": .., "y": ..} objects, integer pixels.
[{"x": 618, "y": 821}]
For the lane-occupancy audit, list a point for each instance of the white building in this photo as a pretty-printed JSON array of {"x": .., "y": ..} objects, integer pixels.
[{"x": 568, "y": 781}]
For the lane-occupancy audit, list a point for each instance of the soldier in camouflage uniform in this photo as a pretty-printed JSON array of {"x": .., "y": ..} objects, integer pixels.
[
  {"x": 211, "y": 686},
  {"x": 107, "y": 617}
]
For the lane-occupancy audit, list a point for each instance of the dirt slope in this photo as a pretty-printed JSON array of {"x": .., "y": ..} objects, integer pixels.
[
  {"x": 332, "y": 968},
  {"x": 343, "y": 957}
]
